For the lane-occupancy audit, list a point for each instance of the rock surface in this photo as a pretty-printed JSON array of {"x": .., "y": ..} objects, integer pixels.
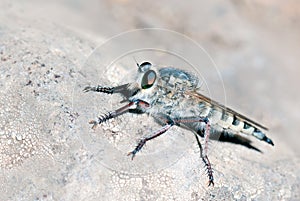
[{"x": 48, "y": 150}]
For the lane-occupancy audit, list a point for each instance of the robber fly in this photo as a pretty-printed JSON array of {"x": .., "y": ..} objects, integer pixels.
[{"x": 172, "y": 98}]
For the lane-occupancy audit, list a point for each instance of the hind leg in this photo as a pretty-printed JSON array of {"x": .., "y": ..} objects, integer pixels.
[
  {"x": 203, "y": 152},
  {"x": 206, "y": 161}
]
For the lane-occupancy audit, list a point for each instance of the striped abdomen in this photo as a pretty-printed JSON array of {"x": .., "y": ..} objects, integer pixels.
[{"x": 225, "y": 121}]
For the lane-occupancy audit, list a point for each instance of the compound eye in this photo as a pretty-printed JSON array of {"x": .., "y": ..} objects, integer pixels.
[{"x": 148, "y": 79}]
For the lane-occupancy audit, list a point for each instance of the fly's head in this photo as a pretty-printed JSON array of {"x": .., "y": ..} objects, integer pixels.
[{"x": 146, "y": 82}]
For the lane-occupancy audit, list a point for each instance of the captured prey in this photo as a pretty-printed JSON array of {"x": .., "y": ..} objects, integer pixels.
[{"x": 171, "y": 96}]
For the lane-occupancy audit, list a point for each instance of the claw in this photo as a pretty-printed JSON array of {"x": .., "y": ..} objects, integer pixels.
[
  {"x": 211, "y": 182},
  {"x": 95, "y": 123},
  {"x": 137, "y": 148},
  {"x": 132, "y": 153}
]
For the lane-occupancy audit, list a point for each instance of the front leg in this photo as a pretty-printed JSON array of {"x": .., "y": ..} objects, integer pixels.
[
  {"x": 126, "y": 90},
  {"x": 107, "y": 90}
]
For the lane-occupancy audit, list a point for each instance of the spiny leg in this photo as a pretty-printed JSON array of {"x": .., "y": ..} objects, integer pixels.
[
  {"x": 203, "y": 153},
  {"x": 110, "y": 115},
  {"x": 198, "y": 119},
  {"x": 143, "y": 141},
  {"x": 205, "y": 160},
  {"x": 205, "y": 157},
  {"x": 107, "y": 90},
  {"x": 120, "y": 111},
  {"x": 206, "y": 137},
  {"x": 127, "y": 90}
]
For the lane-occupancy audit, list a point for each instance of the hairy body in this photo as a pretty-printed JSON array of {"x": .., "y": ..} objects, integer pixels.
[{"x": 172, "y": 98}]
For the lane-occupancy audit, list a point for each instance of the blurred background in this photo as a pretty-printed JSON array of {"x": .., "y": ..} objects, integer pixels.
[{"x": 255, "y": 44}]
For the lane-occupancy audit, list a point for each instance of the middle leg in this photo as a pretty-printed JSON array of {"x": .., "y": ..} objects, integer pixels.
[
  {"x": 130, "y": 107},
  {"x": 143, "y": 141},
  {"x": 206, "y": 161}
]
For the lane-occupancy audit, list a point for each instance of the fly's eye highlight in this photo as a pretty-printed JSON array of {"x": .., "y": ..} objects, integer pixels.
[
  {"x": 148, "y": 79},
  {"x": 144, "y": 66}
]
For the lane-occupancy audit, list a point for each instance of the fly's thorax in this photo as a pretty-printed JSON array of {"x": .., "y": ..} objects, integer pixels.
[
  {"x": 165, "y": 86},
  {"x": 175, "y": 105},
  {"x": 171, "y": 86},
  {"x": 177, "y": 80}
]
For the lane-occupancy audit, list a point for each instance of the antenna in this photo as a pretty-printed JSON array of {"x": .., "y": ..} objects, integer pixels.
[{"x": 138, "y": 65}]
